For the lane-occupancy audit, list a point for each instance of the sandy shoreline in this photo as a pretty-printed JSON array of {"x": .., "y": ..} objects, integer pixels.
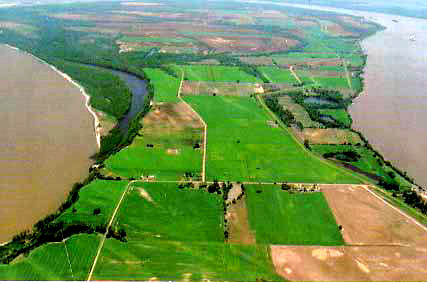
[{"x": 97, "y": 125}]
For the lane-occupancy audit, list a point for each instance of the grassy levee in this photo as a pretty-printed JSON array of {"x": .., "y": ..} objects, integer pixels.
[
  {"x": 293, "y": 219},
  {"x": 243, "y": 147},
  {"x": 53, "y": 262},
  {"x": 216, "y": 73},
  {"x": 177, "y": 234},
  {"x": 165, "y": 85},
  {"x": 99, "y": 194},
  {"x": 163, "y": 148},
  {"x": 278, "y": 75},
  {"x": 162, "y": 211}
]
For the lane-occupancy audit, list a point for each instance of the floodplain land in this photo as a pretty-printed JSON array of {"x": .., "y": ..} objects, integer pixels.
[{"x": 245, "y": 120}]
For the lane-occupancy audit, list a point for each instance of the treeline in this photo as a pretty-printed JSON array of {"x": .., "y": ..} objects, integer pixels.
[
  {"x": 346, "y": 156},
  {"x": 108, "y": 93},
  {"x": 285, "y": 115}
]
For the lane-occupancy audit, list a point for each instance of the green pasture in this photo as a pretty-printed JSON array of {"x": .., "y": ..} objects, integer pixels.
[
  {"x": 332, "y": 82},
  {"x": 338, "y": 114},
  {"x": 278, "y": 75},
  {"x": 183, "y": 261},
  {"x": 217, "y": 73},
  {"x": 293, "y": 219},
  {"x": 162, "y": 211},
  {"x": 69, "y": 260},
  {"x": 165, "y": 86},
  {"x": 138, "y": 160},
  {"x": 102, "y": 194},
  {"x": 242, "y": 146}
]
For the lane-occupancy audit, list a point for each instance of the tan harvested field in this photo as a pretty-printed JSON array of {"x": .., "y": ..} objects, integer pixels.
[
  {"x": 328, "y": 136},
  {"x": 248, "y": 43},
  {"x": 311, "y": 62},
  {"x": 298, "y": 111},
  {"x": 230, "y": 89},
  {"x": 382, "y": 243},
  {"x": 368, "y": 220},
  {"x": 337, "y": 30},
  {"x": 350, "y": 263},
  {"x": 170, "y": 117}
]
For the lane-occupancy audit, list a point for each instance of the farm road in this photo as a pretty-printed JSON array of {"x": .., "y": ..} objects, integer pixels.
[{"x": 205, "y": 126}]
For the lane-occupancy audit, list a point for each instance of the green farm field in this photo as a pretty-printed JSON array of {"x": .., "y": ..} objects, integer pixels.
[
  {"x": 177, "y": 234},
  {"x": 293, "y": 219},
  {"x": 173, "y": 131},
  {"x": 218, "y": 74},
  {"x": 182, "y": 261},
  {"x": 165, "y": 86},
  {"x": 162, "y": 211},
  {"x": 278, "y": 75},
  {"x": 242, "y": 146},
  {"x": 332, "y": 82},
  {"x": 67, "y": 260},
  {"x": 102, "y": 194},
  {"x": 338, "y": 114}
]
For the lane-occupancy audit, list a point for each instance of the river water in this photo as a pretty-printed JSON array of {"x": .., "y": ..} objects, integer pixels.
[
  {"x": 392, "y": 110},
  {"x": 47, "y": 139}
]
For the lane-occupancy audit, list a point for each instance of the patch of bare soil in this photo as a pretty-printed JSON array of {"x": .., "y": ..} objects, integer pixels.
[
  {"x": 144, "y": 194},
  {"x": 328, "y": 136},
  {"x": 167, "y": 117},
  {"x": 172, "y": 151},
  {"x": 272, "y": 123},
  {"x": 239, "y": 231},
  {"x": 366, "y": 219},
  {"x": 350, "y": 263}
]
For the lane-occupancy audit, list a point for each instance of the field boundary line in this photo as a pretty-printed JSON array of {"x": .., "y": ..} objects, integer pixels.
[
  {"x": 68, "y": 258},
  {"x": 397, "y": 209},
  {"x": 205, "y": 126},
  {"x": 104, "y": 237},
  {"x": 291, "y": 68},
  {"x": 347, "y": 74}
]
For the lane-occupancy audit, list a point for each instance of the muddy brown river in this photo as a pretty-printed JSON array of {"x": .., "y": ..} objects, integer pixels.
[{"x": 47, "y": 137}]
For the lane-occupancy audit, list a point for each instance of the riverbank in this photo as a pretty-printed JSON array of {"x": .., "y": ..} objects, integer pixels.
[{"x": 97, "y": 124}]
